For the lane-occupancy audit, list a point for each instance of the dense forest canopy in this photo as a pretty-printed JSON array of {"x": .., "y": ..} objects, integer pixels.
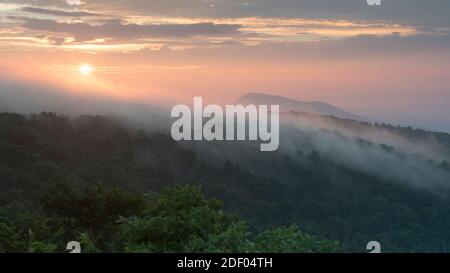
[{"x": 116, "y": 189}]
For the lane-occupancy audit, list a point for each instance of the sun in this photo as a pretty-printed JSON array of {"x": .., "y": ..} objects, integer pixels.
[{"x": 86, "y": 69}]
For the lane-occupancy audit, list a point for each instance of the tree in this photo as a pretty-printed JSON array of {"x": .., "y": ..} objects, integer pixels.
[
  {"x": 291, "y": 240},
  {"x": 179, "y": 220},
  {"x": 182, "y": 220},
  {"x": 10, "y": 240}
]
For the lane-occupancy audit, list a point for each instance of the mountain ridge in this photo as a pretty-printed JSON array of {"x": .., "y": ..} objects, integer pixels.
[{"x": 292, "y": 105}]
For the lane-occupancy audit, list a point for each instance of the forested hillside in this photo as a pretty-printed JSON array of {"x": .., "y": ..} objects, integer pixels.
[{"x": 93, "y": 179}]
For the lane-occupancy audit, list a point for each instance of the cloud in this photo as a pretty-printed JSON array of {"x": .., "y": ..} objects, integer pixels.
[
  {"x": 245, "y": 22},
  {"x": 415, "y": 12},
  {"x": 41, "y": 3},
  {"x": 361, "y": 47},
  {"x": 61, "y": 13},
  {"x": 116, "y": 29}
]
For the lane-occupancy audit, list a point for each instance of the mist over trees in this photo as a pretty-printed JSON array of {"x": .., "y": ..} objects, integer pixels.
[{"x": 95, "y": 179}]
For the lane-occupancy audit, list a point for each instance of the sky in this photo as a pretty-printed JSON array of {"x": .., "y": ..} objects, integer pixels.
[{"x": 389, "y": 63}]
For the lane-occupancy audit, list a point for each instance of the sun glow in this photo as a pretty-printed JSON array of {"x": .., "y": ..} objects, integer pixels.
[{"x": 86, "y": 69}]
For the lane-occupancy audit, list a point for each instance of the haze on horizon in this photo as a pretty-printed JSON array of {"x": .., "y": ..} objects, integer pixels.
[{"x": 388, "y": 63}]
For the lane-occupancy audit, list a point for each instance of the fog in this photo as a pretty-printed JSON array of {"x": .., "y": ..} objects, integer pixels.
[
  {"x": 413, "y": 157},
  {"x": 405, "y": 157},
  {"x": 32, "y": 97}
]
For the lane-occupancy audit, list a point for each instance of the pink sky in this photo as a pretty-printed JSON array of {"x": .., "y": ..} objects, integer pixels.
[{"x": 383, "y": 68}]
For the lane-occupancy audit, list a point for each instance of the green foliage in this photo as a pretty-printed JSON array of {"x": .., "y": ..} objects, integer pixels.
[
  {"x": 87, "y": 243},
  {"x": 92, "y": 212},
  {"x": 10, "y": 240},
  {"x": 35, "y": 246},
  {"x": 177, "y": 219},
  {"x": 84, "y": 178},
  {"x": 181, "y": 220},
  {"x": 292, "y": 240}
]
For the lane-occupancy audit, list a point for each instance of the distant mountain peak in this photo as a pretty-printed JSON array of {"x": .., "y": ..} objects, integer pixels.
[{"x": 291, "y": 105}]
